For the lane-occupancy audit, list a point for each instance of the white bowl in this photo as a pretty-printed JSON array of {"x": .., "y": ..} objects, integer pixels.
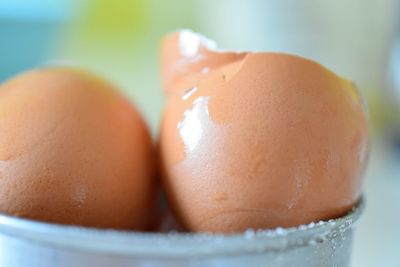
[{"x": 30, "y": 243}]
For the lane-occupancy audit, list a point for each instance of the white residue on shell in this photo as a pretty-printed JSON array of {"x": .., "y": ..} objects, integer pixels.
[
  {"x": 190, "y": 127},
  {"x": 301, "y": 181},
  {"x": 80, "y": 195},
  {"x": 333, "y": 161},
  {"x": 362, "y": 151},
  {"x": 188, "y": 93},
  {"x": 190, "y": 43},
  {"x": 205, "y": 70}
]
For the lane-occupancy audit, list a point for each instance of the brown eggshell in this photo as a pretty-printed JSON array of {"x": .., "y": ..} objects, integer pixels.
[
  {"x": 269, "y": 140},
  {"x": 74, "y": 151}
]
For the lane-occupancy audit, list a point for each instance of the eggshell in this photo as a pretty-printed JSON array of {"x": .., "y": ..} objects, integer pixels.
[
  {"x": 74, "y": 151},
  {"x": 258, "y": 140}
]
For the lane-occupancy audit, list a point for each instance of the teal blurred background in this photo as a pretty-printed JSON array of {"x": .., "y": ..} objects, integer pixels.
[
  {"x": 28, "y": 33},
  {"x": 358, "y": 39}
]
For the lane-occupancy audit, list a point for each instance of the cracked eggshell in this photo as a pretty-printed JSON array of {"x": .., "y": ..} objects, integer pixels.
[
  {"x": 260, "y": 140},
  {"x": 74, "y": 151}
]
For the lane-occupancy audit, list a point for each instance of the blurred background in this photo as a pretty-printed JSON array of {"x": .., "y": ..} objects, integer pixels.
[{"x": 358, "y": 39}]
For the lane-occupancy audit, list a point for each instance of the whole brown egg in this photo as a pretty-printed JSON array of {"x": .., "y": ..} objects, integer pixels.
[
  {"x": 257, "y": 140},
  {"x": 74, "y": 151}
]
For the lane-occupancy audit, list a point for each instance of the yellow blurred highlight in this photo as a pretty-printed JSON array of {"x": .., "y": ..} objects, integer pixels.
[
  {"x": 119, "y": 40},
  {"x": 114, "y": 21}
]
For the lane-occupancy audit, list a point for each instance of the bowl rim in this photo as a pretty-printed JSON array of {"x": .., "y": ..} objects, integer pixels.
[{"x": 173, "y": 244}]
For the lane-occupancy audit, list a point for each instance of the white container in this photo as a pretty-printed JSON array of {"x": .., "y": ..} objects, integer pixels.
[{"x": 26, "y": 243}]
